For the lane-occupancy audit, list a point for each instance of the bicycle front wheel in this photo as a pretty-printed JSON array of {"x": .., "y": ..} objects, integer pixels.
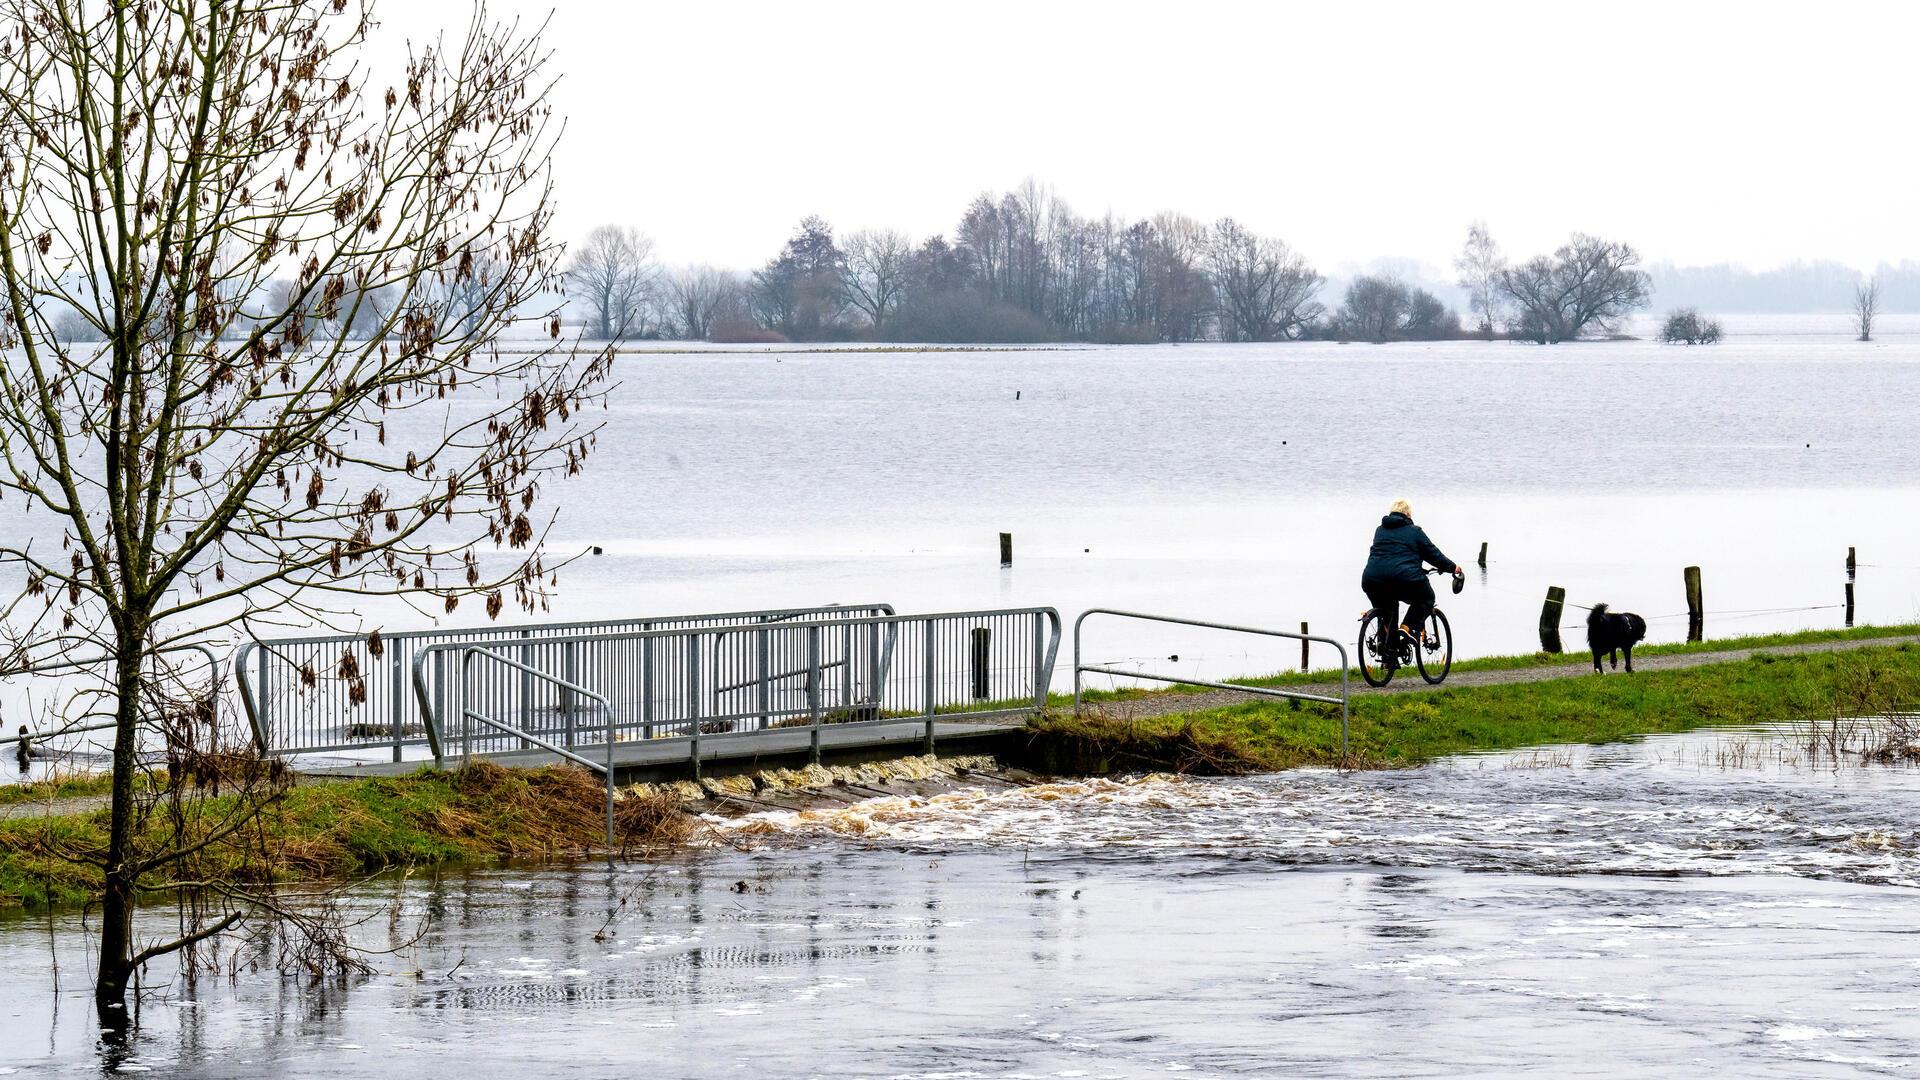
[
  {"x": 1372, "y": 653},
  {"x": 1435, "y": 654}
]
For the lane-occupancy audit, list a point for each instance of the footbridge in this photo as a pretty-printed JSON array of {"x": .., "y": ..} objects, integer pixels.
[{"x": 664, "y": 693}]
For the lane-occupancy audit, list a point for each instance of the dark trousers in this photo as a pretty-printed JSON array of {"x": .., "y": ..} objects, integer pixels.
[{"x": 1388, "y": 595}]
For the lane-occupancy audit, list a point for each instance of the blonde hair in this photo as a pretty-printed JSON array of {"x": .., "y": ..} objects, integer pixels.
[{"x": 1401, "y": 506}]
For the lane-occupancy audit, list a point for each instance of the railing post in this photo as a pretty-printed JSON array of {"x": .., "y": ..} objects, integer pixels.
[
  {"x": 265, "y": 694},
  {"x": 396, "y": 696},
  {"x": 1346, "y": 697},
  {"x": 646, "y": 682},
  {"x": 813, "y": 693},
  {"x": 846, "y": 667},
  {"x": 766, "y": 681},
  {"x": 571, "y": 665},
  {"x": 526, "y": 685},
  {"x": 929, "y": 625},
  {"x": 875, "y": 680},
  {"x": 1039, "y": 661},
  {"x": 1077, "y": 624},
  {"x": 693, "y": 696}
]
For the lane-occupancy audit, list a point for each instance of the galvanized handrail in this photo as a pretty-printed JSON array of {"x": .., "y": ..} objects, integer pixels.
[
  {"x": 660, "y": 674},
  {"x": 279, "y": 660},
  {"x": 473, "y": 652},
  {"x": 213, "y": 667},
  {"x": 1263, "y": 691}
]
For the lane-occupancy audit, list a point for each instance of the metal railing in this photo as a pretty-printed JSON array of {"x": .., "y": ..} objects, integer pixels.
[
  {"x": 77, "y": 725},
  {"x": 1264, "y": 691},
  {"x": 297, "y": 700},
  {"x": 470, "y": 716},
  {"x": 701, "y": 683}
]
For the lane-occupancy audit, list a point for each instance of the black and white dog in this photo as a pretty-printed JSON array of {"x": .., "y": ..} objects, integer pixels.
[{"x": 1609, "y": 635}]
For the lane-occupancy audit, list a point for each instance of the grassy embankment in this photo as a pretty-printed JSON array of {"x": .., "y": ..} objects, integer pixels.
[
  {"x": 1400, "y": 730},
  {"x": 1530, "y": 661},
  {"x": 344, "y": 829}
]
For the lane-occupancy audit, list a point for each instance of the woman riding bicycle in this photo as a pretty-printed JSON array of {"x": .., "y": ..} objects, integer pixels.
[{"x": 1395, "y": 574}]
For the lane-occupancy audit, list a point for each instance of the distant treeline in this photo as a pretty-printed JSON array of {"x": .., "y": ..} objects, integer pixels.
[
  {"x": 1801, "y": 286},
  {"x": 1024, "y": 267}
]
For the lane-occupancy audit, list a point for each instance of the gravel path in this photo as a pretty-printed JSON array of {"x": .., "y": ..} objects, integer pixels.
[{"x": 1408, "y": 681}]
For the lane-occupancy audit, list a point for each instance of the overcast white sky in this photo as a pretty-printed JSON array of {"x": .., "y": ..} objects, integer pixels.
[{"x": 1755, "y": 133}]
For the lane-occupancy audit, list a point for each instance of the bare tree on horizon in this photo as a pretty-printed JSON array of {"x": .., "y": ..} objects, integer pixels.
[
  {"x": 699, "y": 297},
  {"x": 1266, "y": 289},
  {"x": 1587, "y": 282},
  {"x": 1866, "y": 306},
  {"x": 614, "y": 275},
  {"x": 873, "y": 273},
  {"x": 1480, "y": 266}
]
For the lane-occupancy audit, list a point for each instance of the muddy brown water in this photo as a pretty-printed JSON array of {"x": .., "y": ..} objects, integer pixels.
[{"x": 1710, "y": 903}]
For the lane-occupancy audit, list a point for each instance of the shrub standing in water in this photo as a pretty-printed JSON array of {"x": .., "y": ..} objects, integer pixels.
[{"x": 1686, "y": 326}]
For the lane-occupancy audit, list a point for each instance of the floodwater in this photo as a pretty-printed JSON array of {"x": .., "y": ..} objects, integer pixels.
[
  {"x": 1703, "y": 904},
  {"x": 1241, "y": 483}
]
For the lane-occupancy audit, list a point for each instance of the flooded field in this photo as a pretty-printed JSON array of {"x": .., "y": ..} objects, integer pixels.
[{"x": 1700, "y": 903}]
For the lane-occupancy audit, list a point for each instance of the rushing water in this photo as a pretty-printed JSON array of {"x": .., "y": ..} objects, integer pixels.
[{"x": 1700, "y": 904}]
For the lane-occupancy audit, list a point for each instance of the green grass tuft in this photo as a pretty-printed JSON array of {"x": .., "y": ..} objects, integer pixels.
[{"x": 1392, "y": 730}]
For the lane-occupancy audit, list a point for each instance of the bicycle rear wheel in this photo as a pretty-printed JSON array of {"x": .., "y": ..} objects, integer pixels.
[
  {"x": 1374, "y": 659},
  {"x": 1435, "y": 654}
]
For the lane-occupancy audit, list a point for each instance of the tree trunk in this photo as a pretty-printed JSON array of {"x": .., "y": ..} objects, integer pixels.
[{"x": 117, "y": 899}]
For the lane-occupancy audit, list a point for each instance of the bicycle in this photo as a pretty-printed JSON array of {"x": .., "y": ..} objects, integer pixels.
[{"x": 1432, "y": 653}]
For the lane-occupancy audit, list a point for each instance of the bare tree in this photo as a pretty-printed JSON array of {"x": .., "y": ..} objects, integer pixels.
[
  {"x": 699, "y": 296},
  {"x": 1866, "y": 305},
  {"x": 1480, "y": 266},
  {"x": 1265, "y": 290},
  {"x": 163, "y": 165},
  {"x": 873, "y": 273},
  {"x": 1588, "y": 282},
  {"x": 613, "y": 274}
]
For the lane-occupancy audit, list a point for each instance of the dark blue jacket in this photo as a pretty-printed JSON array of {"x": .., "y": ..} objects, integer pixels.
[{"x": 1399, "y": 546}]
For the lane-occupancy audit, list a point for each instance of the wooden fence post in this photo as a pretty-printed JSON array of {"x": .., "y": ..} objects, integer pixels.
[
  {"x": 1550, "y": 619},
  {"x": 1696, "y": 607},
  {"x": 1303, "y": 646},
  {"x": 1483, "y": 554},
  {"x": 1849, "y": 603},
  {"x": 1851, "y": 565},
  {"x": 982, "y": 637},
  {"x": 1006, "y": 549}
]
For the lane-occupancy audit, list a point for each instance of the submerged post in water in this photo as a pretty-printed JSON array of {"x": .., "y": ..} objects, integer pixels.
[
  {"x": 1550, "y": 619},
  {"x": 1696, "y": 608},
  {"x": 1006, "y": 549}
]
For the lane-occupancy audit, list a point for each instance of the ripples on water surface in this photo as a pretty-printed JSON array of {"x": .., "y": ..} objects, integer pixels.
[{"x": 1693, "y": 904}]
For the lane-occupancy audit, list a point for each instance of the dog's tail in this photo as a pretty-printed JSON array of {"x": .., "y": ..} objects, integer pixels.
[{"x": 1598, "y": 613}]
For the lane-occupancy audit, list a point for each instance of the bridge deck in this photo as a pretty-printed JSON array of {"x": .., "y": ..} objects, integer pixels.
[{"x": 729, "y": 752}]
